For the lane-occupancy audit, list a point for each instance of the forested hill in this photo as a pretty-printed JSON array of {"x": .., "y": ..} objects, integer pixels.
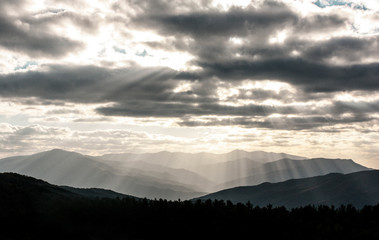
[{"x": 32, "y": 209}]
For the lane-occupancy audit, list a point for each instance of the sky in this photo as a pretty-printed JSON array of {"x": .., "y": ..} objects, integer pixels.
[{"x": 96, "y": 77}]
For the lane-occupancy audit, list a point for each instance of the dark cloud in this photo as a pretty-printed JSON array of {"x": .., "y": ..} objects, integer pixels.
[
  {"x": 5, "y": 5},
  {"x": 88, "y": 84},
  {"x": 211, "y": 29},
  {"x": 21, "y": 37},
  {"x": 348, "y": 49},
  {"x": 167, "y": 109},
  {"x": 207, "y": 22},
  {"x": 149, "y": 92},
  {"x": 357, "y": 107},
  {"x": 311, "y": 76},
  {"x": 235, "y": 22},
  {"x": 160, "y": 7},
  {"x": 282, "y": 123},
  {"x": 316, "y": 23},
  {"x": 90, "y": 120},
  {"x": 345, "y": 48},
  {"x": 206, "y": 33}
]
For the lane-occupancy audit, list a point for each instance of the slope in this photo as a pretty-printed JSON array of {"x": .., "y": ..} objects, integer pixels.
[
  {"x": 358, "y": 189},
  {"x": 13, "y": 184},
  {"x": 286, "y": 169},
  {"x": 217, "y": 168},
  {"x": 73, "y": 169}
]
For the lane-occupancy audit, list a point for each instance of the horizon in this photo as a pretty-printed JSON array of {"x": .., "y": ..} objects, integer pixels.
[
  {"x": 192, "y": 153},
  {"x": 163, "y": 151},
  {"x": 104, "y": 77}
]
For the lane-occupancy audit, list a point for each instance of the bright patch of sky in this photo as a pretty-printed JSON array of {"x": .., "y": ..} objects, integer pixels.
[
  {"x": 329, "y": 3},
  {"x": 26, "y": 65}
]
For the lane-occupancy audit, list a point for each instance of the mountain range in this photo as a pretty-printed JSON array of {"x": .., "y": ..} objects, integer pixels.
[
  {"x": 335, "y": 189},
  {"x": 170, "y": 175},
  {"x": 34, "y": 209},
  {"x": 76, "y": 170},
  {"x": 285, "y": 169},
  {"x": 357, "y": 189}
]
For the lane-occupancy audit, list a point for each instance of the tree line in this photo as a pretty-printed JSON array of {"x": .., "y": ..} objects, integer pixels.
[{"x": 23, "y": 217}]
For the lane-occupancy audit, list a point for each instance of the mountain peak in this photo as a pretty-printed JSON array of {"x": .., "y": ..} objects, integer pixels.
[
  {"x": 57, "y": 150},
  {"x": 238, "y": 151},
  {"x": 60, "y": 151}
]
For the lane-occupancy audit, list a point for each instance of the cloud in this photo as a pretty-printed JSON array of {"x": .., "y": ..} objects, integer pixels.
[
  {"x": 52, "y": 18},
  {"x": 346, "y": 50},
  {"x": 235, "y": 22},
  {"x": 18, "y": 138},
  {"x": 311, "y": 76},
  {"x": 280, "y": 122},
  {"x": 320, "y": 22},
  {"x": 62, "y": 111},
  {"x": 36, "y": 138},
  {"x": 349, "y": 49},
  {"x": 361, "y": 107},
  {"x": 21, "y": 37},
  {"x": 87, "y": 84},
  {"x": 152, "y": 92},
  {"x": 335, "y": 62}
]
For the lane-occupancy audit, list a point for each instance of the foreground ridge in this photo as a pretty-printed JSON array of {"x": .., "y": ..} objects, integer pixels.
[
  {"x": 131, "y": 218},
  {"x": 358, "y": 189}
]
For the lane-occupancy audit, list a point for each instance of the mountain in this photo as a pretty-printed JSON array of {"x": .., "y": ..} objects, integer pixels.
[
  {"x": 286, "y": 169},
  {"x": 194, "y": 160},
  {"x": 229, "y": 170},
  {"x": 358, "y": 189},
  {"x": 73, "y": 169},
  {"x": 179, "y": 175},
  {"x": 13, "y": 185},
  {"x": 96, "y": 192},
  {"x": 216, "y": 168},
  {"x": 259, "y": 156},
  {"x": 170, "y": 175},
  {"x": 34, "y": 209}
]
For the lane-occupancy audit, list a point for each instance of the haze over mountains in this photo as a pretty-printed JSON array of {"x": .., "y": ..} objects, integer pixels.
[
  {"x": 73, "y": 169},
  {"x": 285, "y": 169},
  {"x": 171, "y": 175},
  {"x": 218, "y": 168}
]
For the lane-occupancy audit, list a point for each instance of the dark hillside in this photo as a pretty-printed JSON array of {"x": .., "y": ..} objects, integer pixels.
[
  {"x": 33, "y": 209},
  {"x": 358, "y": 189}
]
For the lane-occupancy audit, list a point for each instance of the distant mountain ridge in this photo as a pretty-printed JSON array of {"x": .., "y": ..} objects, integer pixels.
[
  {"x": 358, "y": 189},
  {"x": 73, "y": 169},
  {"x": 286, "y": 169},
  {"x": 179, "y": 159},
  {"x": 170, "y": 175}
]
